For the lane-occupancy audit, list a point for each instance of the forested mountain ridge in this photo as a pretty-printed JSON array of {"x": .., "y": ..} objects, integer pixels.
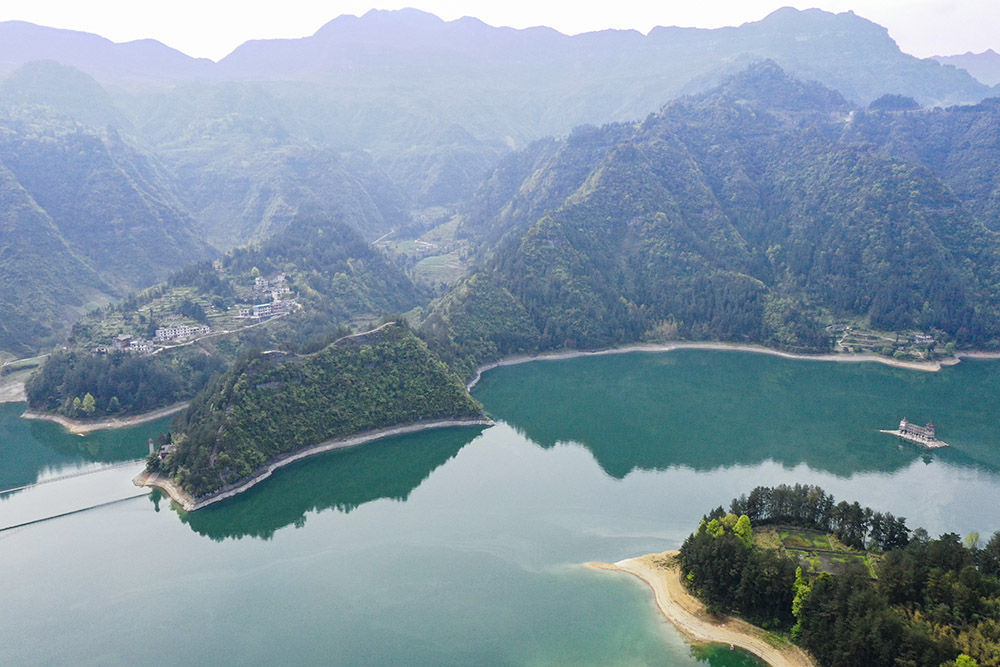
[
  {"x": 90, "y": 217},
  {"x": 436, "y": 102},
  {"x": 274, "y": 403},
  {"x": 331, "y": 279},
  {"x": 960, "y": 144},
  {"x": 747, "y": 213},
  {"x": 40, "y": 294}
]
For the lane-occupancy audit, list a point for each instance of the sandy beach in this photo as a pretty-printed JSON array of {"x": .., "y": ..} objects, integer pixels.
[
  {"x": 80, "y": 427},
  {"x": 930, "y": 366},
  {"x": 190, "y": 503},
  {"x": 688, "y": 615}
]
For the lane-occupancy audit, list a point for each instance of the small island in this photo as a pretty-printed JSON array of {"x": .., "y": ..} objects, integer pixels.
[
  {"x": 795, "y": 578},
  {"x": 274, "y": 408}
]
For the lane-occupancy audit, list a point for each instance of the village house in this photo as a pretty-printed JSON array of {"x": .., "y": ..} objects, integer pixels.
[
  {"x": 127, "y": 343},
  {"x": 175, "y": 331}
]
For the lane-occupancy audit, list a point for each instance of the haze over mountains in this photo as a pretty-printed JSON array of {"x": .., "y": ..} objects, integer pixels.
[
  {"x": 125, "y": 162},
  {"x": 983, "y": 66},
  {"x": 760, "y": 211}
]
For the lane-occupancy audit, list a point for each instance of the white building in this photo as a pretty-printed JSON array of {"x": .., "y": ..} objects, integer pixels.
[{"x": 174, "y": 331}]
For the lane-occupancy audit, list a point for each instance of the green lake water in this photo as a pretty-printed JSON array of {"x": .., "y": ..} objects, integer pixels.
[{"x": 464, "y": 546}]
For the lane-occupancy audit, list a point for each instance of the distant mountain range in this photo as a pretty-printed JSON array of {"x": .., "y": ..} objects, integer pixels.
[
  {"x": 983, "y": 66},
  {"x": 126, "y": 161},
  {"x": 844, "y": 51}
]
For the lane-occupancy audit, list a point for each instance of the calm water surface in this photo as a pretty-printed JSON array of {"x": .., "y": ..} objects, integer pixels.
[{"x": 463, "y": 546}]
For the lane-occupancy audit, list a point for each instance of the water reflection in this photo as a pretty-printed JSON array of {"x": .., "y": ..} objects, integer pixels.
[
  {"x": 31, "y": 451},
  {"x": 342, "y": 480},
  {"x": 705, "y": 409}
]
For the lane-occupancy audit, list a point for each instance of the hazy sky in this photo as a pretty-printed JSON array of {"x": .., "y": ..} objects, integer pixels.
[{"x": 213, "y": 28}]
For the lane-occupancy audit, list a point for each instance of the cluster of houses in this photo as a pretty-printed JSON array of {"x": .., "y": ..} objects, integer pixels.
[
  {"x": 134, "y": 344},
  {"x": 275, "y": 288},
  {"x": 126, "y": 343}
]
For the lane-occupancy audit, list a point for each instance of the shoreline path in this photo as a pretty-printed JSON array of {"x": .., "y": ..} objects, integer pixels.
[{"x": 662, "y": 573}]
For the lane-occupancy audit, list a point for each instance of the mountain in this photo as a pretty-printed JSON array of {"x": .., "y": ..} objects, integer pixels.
[
  {"x": 746, "y": 213},
  {"x": 960, "y": 145},
  {"x": 434, "y": 104},
  {"x": 333, "y": 277},
  {"x": 45, "y": 279},
  {"x": 63, "y": 90},
  {"x": 89, "y": 217},
  {"x": 244, "y": 175},
  {"x": 985, "y": 66},
  {"x": 401, "y": 79},
  {"x": 596, "y": 77},
  {"x": 142, "y": 62},
  {"x": 274, "y": 404},
  {"x": 110, "y": 201}
]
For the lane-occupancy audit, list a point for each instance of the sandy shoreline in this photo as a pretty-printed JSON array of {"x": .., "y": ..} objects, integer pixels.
[
  {"x": 930, "y": 366},
  {"x": 81, "y": 427},
  {"x": 688, "y": 615},
  {"x": 191, "y": 504}
]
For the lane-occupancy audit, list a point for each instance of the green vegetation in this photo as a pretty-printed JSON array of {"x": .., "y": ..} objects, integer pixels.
[
  {"x": 334, "y": 279},
  {"x": 764, "y": 211},
  {"x": 85, "y": 216},
  {"x": 118, "y": 383},
  {"x": 275, "y": 403},
  {"x": 747, "y": 214},
  {"x": 908, "y": 600}
]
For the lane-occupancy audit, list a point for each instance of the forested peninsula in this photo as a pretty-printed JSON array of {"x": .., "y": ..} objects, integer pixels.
[
  {"x": 275, "y": 405},
  {"x": 850, "y": 585}
]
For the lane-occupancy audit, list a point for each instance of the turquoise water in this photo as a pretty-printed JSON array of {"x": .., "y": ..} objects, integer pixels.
[
  {"x": 32, "y": 451},
  {"x": 464, "y": 546}
]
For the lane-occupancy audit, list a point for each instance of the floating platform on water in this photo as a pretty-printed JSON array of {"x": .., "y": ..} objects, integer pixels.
[
  {"x": 925, "y": 436},
  {"x": 923, "y": 441}
]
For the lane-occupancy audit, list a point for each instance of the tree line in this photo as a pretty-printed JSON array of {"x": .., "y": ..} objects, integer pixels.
[
  {"x": 810, "y": 507},
  {"x": 926, "y": 601}
]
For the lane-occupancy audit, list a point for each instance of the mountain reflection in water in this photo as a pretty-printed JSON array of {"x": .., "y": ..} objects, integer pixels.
[
  {"x": 707, "y": 409},
  {"x": 341, "y": 480}
]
